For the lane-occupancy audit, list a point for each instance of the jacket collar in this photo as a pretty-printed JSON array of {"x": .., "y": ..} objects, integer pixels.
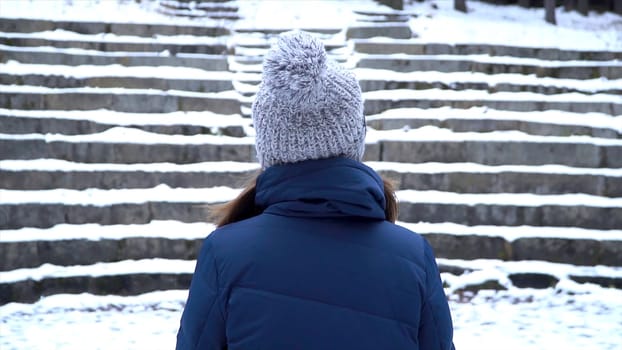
[{"x": 334, "y": 187}]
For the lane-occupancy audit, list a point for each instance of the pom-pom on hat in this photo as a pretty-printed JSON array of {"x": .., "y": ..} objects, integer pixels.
[{"x": 307, "y": 106}]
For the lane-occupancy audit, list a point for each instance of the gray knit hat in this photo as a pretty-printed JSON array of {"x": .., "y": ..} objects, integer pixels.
[{"x": 307, "y": 107}]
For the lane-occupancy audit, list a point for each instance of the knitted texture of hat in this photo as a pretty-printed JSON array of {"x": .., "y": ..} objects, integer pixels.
[{"x": 307, "y": 106}]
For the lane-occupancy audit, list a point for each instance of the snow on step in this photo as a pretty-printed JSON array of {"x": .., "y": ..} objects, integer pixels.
[
  {"x": 77, "y": 51},
  {"x": 382, "y": 100},
  {"x": 170, "y": 266},
  {"x": 450, "y": 78},
  {"x": 117, "y": 70},
  {"x": 168, "y": 229},
  {"x": 134, "y": 136},
  {"x": 64, "y": 35},
  {"x": 227, "y": 166},
  {"x": 29, "y": 89},
  {"x": 101, "y": 198},
  {"x": 127, "y": 267},
  {"x": 163, "y": 193},
  {"x": 424, "y": 134},
  {"x": 452, "y": 95},
  {"x": 103, "y": 116},
  {"x": 509, "y": 233},
  {"x": 591, "y": 119},
  {"x": 439, "y": 168},
  {"x": 561, "y": 271},
  {"x": 436, "y": 134},
  {"x": 79, "y": 11},
  {"x": 508, "y": 199},
  {"x": 506, "y": 60},
  {"x": 57, "y": 302},
  {"x": 68, "y": 166}
]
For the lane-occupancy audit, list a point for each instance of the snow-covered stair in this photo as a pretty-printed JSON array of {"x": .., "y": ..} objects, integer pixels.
[{"x": 115, "y": 137}]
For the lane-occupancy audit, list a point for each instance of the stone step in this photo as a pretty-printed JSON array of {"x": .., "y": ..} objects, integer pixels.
[
  {"x": 120, "y": 43},
  {"x": 511, "y": 209},
  {"x": 28, "y": 97},
  {"x": 132, "y": 277},
  {"x": 471, "y": 276},
  {"x": 255, "y": 53},
  {"x": 54, "y": 173},
  {"x": 46, "y": 208},
  {"x": 374, "y": 85},
  {"x": 199, "y": 13},
  {"x": 494, "y": 65},
  {"x": 92, "y": 122},
  {"x": 521, "y": 243},
  {"x": 205, "y": 6},
  {"x": 428, "y": 144},
  {"x": 77, "y": 57},
  {"x": 62, "y": 81},
  {"x": 240, "y": 28},
  {"x": 33, "y": 247},
  {"x": 459, "y": 177},
  {"x": 383, "y": 100},
  {"x": 477, "y": 178},
  {"x": 380, "y": 79},
  {"x": 386, "y": 30},
  {"x": 107, "y": 207},
  {"x": 164, "y": 148},
  {"x": 28, "y": 25},
  {"x": 119, "y": 278},
  {"x": 386, "y": 47},
  {"x": 482, "y": 119},
  {"x": 107, "y": 243}
]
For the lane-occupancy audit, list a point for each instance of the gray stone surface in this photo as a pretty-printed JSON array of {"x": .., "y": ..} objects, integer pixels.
[
  {"x": 533, "y": 280},
  {"x": 79, "y": 180},
  {"x": 29, "y": 291},
  {"x": 468, "y": 246},
  {"x": 499, "y": 153},
  {"x": 48, "y": 215},
  {"x": 212, "y": 49},
  {"x": 276, "y": 31},
  {"x": 508, "y": 182},
  {"x": 395, "y": 31},
  {"x": 60, "y": 81},
  {"x": 607, "y": 282},
  {"x": 136, "y": 103},
  {"x": 488, "y": 124},
  {"x": 124, "y": 152},
  {"x": 25, "y": 25},
  {"x": 378, "y": 105},
  {"x": 567, "y": 250},
  {"x": 26, "y": 55},
  {"x": 387, "y": 84},
  {"x": 363, "y": 46},
  {"x": 513, "y": 215},
  {"x": 58, "y": 125},
  {"x": 415, "y": 64},
  {"x": 15, "y": 255}
]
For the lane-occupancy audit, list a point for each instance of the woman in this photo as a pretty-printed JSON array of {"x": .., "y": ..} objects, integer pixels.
[{"x": 308, "y": 257}]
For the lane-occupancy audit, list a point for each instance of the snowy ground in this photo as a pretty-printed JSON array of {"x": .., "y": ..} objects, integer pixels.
[{"x": 571, "y": 317}]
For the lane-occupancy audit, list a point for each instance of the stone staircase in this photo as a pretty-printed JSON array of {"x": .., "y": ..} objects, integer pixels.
[{"x": 115, "y": 137}]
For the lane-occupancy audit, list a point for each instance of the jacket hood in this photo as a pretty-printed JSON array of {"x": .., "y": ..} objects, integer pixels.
[{"x": 334, "y": 187}]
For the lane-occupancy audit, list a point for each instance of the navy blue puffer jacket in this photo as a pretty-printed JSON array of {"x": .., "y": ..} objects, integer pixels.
[{"x": 320, "y": 268}]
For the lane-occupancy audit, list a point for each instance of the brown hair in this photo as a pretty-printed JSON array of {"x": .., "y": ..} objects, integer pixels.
[{"x": 243, "y": 206}]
